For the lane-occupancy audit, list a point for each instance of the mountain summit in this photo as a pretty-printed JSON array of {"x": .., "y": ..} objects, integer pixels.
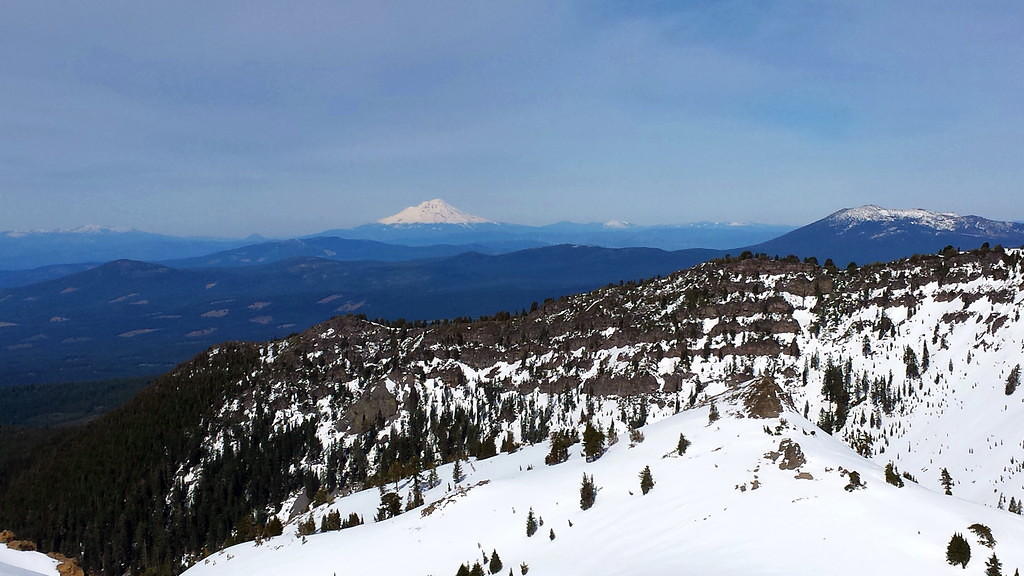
[
  {"x": 876, "y": 234},
  {"x": 435, "y": 211}
]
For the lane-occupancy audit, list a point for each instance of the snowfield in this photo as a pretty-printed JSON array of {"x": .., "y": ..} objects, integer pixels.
[
  {"x": 18, "y": 563},
  {"x": 726, "y": 506}
]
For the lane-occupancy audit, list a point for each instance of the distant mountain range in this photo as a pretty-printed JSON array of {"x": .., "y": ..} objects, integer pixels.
[
  {"x": 129, "y": 318},
  {"x": 37, "y": 249}
]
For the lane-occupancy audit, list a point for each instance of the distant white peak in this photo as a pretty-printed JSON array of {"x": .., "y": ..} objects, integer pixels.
[
  {"x": 434, "y": 211},
  {"x": 617, "y": 224},
  {"x": 872, "y": 213},
  {"x": 87, "y": 229}
]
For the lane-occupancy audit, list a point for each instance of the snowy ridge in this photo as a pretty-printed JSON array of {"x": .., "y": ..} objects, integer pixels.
[
  {"x": 871, "y": 213},
  {"x": 750, "y": 495},
  {"x": 895, "y": 221},
  {"x": 908, "y": 363},
  {"x": 435, "y": 211}
]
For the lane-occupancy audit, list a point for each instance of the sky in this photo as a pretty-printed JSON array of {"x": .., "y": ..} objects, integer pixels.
[{"x": 283, "y": 118}]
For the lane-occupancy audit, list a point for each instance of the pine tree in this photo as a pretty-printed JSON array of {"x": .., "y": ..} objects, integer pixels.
[
  {"x": 463, "y": 570},
  {"x": 892, "y": 476},
  {"x": 958, "y": 551},
  {"x": 307, "y": 527},
  {"x": 415, "y": 499},
  {"x": 495, "y": 565},
  {"x": 352, "y": 520},
  {"x": 593, "y": 442},
  {"x": 646, "y": 480},
  {"x": 331, "y": 522},
  {"x": 993, "y": 567},
  {"x": 551, "y": 534},
  {"x": 476, "y": 570},
  {"x": 947, "y": 482},
  {"x": 390, "y": 506},
  {"x": 588, "y": 492},
  {"x": 713, "y": 414},
  {"x": 560, "y": 443},
  {"x": 433, "y": 480},
  {"x": 457, "y": 474},
  {"x": 531, "y": 524},
  {"x": 682, "y": 445},
  {"x": 273, "y": 528},
  {"x": 508, "y": 445}
]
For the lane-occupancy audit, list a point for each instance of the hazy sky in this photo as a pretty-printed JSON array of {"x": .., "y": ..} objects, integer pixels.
[{"x": 293, "y": 117}]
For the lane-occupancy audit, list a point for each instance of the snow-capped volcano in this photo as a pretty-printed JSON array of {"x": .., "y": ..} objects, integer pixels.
[{"x": 435, "y": 211}]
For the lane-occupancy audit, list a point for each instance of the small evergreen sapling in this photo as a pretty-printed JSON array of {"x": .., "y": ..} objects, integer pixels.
[
  {"x": 551, "y": 534},
  {"x": 682, "y": 445},
  {"x": 947, "y": 482},
  {"x": 646, "y": 480},
  {"x": 495, "y": 565},
  {"x": 531, "y": 524},
  {"x": 892, "y": 475},
  {"x": 713, "y": 414},
  {"x": 588, "y": 492},
  {"x": 993, "y": 567},
  {"x": 457, "y": 474}
]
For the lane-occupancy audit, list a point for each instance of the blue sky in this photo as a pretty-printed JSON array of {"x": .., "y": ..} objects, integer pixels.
[{"x": 286, "y": 118}]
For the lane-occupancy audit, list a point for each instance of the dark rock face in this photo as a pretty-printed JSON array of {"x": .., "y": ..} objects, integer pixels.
[
  {"x": 792, "y": 456},
  {"x": 764, "y": 399}
]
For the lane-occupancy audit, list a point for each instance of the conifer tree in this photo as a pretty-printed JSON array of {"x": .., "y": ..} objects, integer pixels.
[
  {"x": 476, "y": 570},
  {"x": 947, "y": 482},
  {"x": 390, "y": 506},
  {"x": 307, "y": 527},
  {"x": 495, "y": 565},
  {"x": 457, "y": 474},
  {"x": 993, "y": 567},
  {"x": 352, "y": 520},
  {"x": 646, "y": 480},
  {"x": 551, "y": 534},
  {"x": 273, "y": 528},
  {"x": 433, "y": 480},
  {"x": 588, "y": 492},
  {"x": 593, "y": 442},
  {"x": 531, "y": 524},
  {"x": 463, "y": 570},
  {"x": 682, "y": 445},
  {"x": 415, "y": 499},
  {"x": 560, "y": 443},
  {"x": 892, "y": 476},
  {"x": 713, "y": 414},
  {"x": 958, "y": 551}
]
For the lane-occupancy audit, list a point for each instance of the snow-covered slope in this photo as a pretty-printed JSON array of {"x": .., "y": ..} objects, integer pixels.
[
  {"x": 435, "y": 211},
  {"x": 909, "y": 363},
  {"x": 21, "y": 563},
  {"x": 751, "y": 495}
]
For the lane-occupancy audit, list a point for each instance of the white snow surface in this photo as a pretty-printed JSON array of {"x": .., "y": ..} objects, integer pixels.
[
  {"x": 725, "y": 507},
  {"x": 435, "y": 211},
  {"x": 18, "y": 563}
]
